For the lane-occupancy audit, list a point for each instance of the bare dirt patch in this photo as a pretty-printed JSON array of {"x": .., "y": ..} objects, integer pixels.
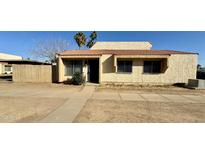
[
  {"x": 27, "y": 110},
  {"x": 170, "y": 104},
  {"x": 151, "y": 89},
  {"x": 133, "y": 111},
  {"x": 32, "y": 102},
  {"x": 28, "y": 102}
]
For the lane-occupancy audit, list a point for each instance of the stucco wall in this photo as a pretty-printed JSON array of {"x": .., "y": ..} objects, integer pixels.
[
  {"x": 122, "y": 46},
  {"x": 181, "y": 68},
  {"x": 61, "y": 70},
  {"x": 2, "y": 67}
]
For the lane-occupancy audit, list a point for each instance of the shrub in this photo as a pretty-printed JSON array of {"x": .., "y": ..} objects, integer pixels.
[
  {"x": 68, "y": 81},
  {"x": 179, "y": 84},
  {"x": 78, "y": 79}
]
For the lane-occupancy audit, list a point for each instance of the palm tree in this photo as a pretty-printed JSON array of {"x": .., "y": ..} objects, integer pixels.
[
  {"x": 93, "y": 38},
  {"x": 80, "y": 39},
  {"x": 90, "y": 43}
]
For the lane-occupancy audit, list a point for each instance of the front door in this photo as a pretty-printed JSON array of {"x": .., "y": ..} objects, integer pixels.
[{"x": 93, "y": 71}]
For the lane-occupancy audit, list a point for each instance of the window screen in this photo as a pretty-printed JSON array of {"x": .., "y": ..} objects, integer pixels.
[
  {"x": 124, "y": 66},
  {"x": 152, "y": 66},
  {"x": 73, "y": 66}
]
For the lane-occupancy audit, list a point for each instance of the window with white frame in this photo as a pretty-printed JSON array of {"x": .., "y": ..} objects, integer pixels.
[{"x": 7, "y": 68}]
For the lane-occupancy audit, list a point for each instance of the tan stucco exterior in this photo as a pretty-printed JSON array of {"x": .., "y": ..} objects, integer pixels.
[
  {"x": 4, "y": 56},
  {"x": 122, "y": 46},
  {"x": 61, "y": 66},
  {"x": 1, "y": 68},
  {"x": 178, "y": 68}
]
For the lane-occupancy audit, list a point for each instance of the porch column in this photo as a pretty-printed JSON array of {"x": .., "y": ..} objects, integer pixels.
[
  {"x": 60, "y": 69},
  {"x": 100, "y": 69},
  {"x": 85, "y": 70},
  {"x": 115, "y": 63}
]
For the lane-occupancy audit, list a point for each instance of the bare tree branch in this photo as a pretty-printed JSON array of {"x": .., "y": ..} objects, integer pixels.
[{"x": 47, "y": 49}]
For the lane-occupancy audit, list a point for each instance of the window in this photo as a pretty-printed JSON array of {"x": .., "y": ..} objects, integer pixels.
[
  {"x": 152, "y": 66},
  {"x": 73, "y": 66},
  {"x": 124, "y": 66},
  {"x": 7, "y": 68}
]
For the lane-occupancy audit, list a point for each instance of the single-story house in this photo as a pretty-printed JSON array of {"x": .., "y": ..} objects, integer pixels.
[
  {"x": 7, "y": 64},
  {"x": 24, "y": 70},
  {"x": 5, "y": 67},
  {"x": 128, "y": 63}
]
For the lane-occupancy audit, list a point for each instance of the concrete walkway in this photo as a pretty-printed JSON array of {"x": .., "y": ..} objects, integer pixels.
[
  {"x": 70, "y": 109},
  {"x": 148, "y": 97}
]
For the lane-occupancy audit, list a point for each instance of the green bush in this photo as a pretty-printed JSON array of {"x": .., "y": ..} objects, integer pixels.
[{"x": 78, "y": 79}]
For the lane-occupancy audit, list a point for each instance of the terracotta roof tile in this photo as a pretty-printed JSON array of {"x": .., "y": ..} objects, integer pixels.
[{"x": 120, "y": 52}]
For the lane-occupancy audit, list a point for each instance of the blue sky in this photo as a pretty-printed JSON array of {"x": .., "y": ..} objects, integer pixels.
[{"x": 21, "y": 43}]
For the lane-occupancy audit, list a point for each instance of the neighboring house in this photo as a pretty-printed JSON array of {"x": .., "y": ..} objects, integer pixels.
[
  {"x": 5, "y": 67},
  {"x": 201, "y": 73},
  {"x": 29, "y": 71},
  {"x": 128, "y": 63}
]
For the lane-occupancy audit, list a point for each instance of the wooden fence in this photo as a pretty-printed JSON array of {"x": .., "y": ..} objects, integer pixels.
[{"x": 32, "y": 73}]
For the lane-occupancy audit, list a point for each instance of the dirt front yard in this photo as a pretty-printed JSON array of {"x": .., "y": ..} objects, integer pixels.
[
  {"x": 31, "y": 102},
  {"x": 64, "y": 103},
  {"x": 162, "y": 104}
]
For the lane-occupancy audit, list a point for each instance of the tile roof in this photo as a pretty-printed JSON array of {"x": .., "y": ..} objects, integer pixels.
[
  {"x": 80, "y": 52},
  {"x": 120, "y": 52}
]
